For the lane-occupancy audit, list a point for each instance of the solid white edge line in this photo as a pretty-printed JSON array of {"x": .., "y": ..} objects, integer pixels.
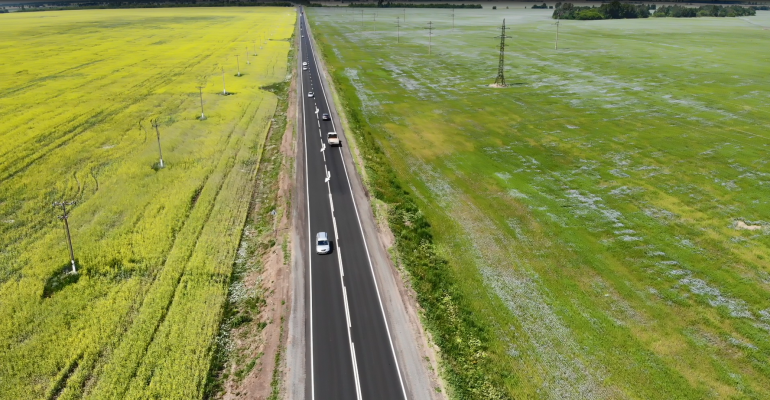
[
  {"x": 310, "y": 247},
  {"x": 366, "y": 246}
]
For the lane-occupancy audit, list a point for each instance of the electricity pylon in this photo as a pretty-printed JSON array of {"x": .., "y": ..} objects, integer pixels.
[
  {"x": 430, "y": 35},
  {"x": 557, "y": 35},
  {"x": 200, "y": 90},
  {"x": 398, "y": 29},
  {"x": 500, "y": 80},
  {"x": 224, "y": 88},
  {"x": 157, "y": 133},
  {"x": 64, "y": 216}
]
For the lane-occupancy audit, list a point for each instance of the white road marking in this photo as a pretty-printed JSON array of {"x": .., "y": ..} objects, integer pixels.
[
  {"x": 310, "y": 246},
  {"x": 342, "y": 281},
  {"x": 366, "y": 246}
]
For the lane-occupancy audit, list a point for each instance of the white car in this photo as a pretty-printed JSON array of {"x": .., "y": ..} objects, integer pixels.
[
  {"x": 322, "y": 245},
  {"x": 304, "y": 68},
  {"x": 304, "y": 64},
  {"x": 310, "y": 94}
]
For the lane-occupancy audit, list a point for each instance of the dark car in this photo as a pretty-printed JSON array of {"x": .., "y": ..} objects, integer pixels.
[{"x": 325, "y": 117}]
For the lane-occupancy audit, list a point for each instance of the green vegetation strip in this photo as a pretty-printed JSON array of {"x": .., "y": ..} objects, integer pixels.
[{"x": 599, "y": 229}]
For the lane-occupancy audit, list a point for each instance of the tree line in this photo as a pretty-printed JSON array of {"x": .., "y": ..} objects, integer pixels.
[
  {"x": 382, "y": 4},
  {"x": 618, "y": 10},
  {"x": 704, "y": 11},
  {"x": 614, "y": 10}
]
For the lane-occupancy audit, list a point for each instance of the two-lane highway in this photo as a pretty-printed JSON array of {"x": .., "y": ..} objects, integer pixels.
[{"x": 350, "y": 351}]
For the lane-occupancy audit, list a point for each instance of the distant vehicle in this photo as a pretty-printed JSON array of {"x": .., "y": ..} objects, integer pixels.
[
  {"x": 304, "y": 68},
  {"x": 303, "y": 35},
  {"x": 304, "y": 64},
  {"x": 322, "y": 243},
  {"x": 325, "y": 117},
  {"x": 310, "y": 94},
  {"x": 332, "y": 138}
]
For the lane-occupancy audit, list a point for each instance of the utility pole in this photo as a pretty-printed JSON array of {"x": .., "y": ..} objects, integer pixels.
[
  {"x": 453, "y": 20},
  {"x": 430, "y": 35},
  {"x": 398, "y": 30},
  {"x": 255, "y": 47},
  {"x": 374, "y": 22},
  {"x": 405, "y": 15},
  {"x": 247, "y": 56},
  {"x": 64, "y": 216},
  {"x": 200, "y": 90},
  {"x": 500, "y": 80},
  {"x": 157, "y": 133},
  {"x": 238, "y": 62},
  {"x": 557, "y": 35},
  {"x": 362, "y": 19},
  {"x": 224, "y": 88}
]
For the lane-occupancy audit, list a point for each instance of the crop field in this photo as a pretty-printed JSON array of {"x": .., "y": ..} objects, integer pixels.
[
  {"x": 605, "y": 218},
  {"x": 154, "y": 246}
]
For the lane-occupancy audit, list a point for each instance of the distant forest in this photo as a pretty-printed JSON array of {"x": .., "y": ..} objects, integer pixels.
[
  {"x": 383, "y": 4},
  {"x": 618, "y": 10},
  {"x": 706, "y": 11}
]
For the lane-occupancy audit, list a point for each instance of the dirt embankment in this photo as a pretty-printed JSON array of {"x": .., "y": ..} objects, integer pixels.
[{"x": 257, "y": 355}]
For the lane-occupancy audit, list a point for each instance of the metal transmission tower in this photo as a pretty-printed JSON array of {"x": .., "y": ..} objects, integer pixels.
[
  {"x": 157, "y": 133},
  {"x": 238, "y": 61},
  {"x": 500, "y": 80},
  {"x": 430, "y": 35},
  {"x": 200, "y": 90},
  {"x": 453, "y": 20},
  {"x": 557, "y": 35},
  {"x": 64, "y": 215}
]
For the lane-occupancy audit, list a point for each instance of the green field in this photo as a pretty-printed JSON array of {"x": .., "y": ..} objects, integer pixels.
[
  {"x": 155, "y": 247},
  {"x": 605, "y": 219}
]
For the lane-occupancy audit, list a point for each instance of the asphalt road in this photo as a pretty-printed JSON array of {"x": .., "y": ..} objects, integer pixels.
[{"x": 350, "y": 350}]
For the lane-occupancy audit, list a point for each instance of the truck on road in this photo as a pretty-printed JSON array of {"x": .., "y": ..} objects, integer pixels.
[{"x": 332, "y": 138}]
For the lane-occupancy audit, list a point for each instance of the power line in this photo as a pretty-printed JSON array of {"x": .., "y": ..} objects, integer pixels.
[
  {"x": 157, "y": 134},
  {"x": 224, "y": 88},
  {"x": 500, "y": 80},
  {"x": 200, "y": 91},
  {"x": 398, "y": 30},
  {"x": 430, "y": 35},
  {"x": 64, "y": 217}
]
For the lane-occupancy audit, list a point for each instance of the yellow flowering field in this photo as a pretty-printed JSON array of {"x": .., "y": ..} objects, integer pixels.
[{"x": 154, "y": 246}]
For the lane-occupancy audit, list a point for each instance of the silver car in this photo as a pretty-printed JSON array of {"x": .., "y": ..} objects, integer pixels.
[
  {"x": 310, "y": 94},
  {"x": 322, "y": 245}
]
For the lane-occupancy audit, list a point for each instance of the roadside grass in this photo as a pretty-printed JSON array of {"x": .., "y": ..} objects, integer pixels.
[
  {"x": 155, "y": 247},
  {"x": 243, "y": 312},
  {"x": 584, "y": 221}
]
